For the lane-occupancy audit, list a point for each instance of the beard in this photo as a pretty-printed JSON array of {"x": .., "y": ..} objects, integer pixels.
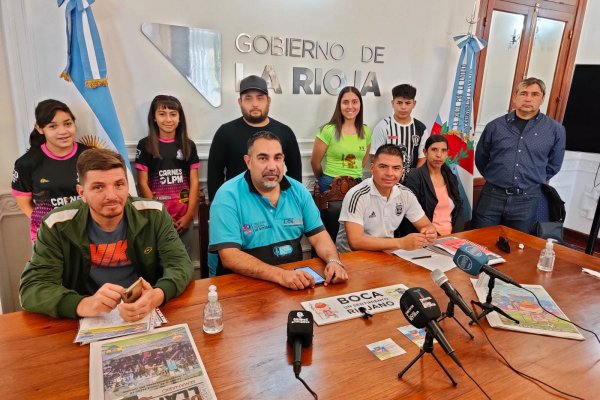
[
  {"x": 255, "y": 119},
  {"x": 270, "y": 184}
]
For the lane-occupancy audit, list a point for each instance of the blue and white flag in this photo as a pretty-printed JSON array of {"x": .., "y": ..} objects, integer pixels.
[
  {"x": 86, "y": 68},
  {"x": 455, "y": 119}
]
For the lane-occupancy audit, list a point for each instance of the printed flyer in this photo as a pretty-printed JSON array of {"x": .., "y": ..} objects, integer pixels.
[{"x": 348, "y": 306}]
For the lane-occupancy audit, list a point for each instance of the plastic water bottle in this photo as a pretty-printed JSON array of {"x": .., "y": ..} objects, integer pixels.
[
  {"x": 213, "y": 313},
  {"x": 547, "y": 256}
]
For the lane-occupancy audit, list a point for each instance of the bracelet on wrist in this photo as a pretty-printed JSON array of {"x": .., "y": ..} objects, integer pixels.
[{"x": 336, "y": 261}]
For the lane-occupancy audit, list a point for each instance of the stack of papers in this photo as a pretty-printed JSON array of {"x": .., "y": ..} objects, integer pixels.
[
  {"x": 111, "y": 325},
  {"x": 440, "y": 255}
]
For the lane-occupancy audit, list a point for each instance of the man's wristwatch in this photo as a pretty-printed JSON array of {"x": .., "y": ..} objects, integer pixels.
[{"x": 334, "y": 260}]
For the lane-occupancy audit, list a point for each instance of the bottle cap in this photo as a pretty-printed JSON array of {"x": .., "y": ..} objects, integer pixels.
[
  {"x": 550, "y": 244},
  {"x": 212, "y": 293}
]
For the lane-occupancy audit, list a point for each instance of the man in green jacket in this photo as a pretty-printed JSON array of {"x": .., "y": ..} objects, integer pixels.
[{"x": 87, "y": 252}]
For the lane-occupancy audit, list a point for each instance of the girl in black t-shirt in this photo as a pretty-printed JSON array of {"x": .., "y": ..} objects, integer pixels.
[
  {"x": 45, "y": 177},
  {"x": 167, "y": 164}
]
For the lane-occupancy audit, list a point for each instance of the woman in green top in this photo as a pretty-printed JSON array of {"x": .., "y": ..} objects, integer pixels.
[{"x": 344, "y": 141}]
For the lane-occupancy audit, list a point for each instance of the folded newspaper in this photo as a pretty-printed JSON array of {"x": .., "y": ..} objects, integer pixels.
[
  {"x": 522, "y": 306},
  {"x": 161, "y": 364},
  {"x": 111, "y": 325}
]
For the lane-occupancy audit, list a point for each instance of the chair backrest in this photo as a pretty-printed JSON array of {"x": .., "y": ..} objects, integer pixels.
[
  {"x": 203, "y": 215},
  {"x": 329, "y": 202},
  {"x": 550, "y": 215},
  {"x": 556, "y": 205}
]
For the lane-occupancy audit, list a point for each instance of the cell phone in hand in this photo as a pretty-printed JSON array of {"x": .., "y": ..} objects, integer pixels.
[
  {"x": 318, "y": 278},
  {"x": 133, "y": 292}
]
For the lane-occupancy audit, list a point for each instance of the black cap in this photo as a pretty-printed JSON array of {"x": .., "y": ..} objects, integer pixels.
[{"x": 253, "y": 82}]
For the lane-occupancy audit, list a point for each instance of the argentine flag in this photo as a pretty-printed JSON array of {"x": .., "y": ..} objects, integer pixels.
[
  {"x": 455, "y": 119},
  {"x": 86, "y": 68}
]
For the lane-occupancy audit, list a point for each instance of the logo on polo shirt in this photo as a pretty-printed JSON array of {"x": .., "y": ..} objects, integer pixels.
[
  {"x": 260, "y": 226},
  {"x": 246, "y": 229},
  {"x": 283, "y": 251},
  {"x": 293, "y": 221},
  {"x": 373, "y": 215},
  {"x": 399, "y": 208}
]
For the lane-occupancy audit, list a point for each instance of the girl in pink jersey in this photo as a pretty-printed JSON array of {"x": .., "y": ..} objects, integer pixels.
[
  {"x": 167, "y": 164},
  {"x": 45, "y": 177}
]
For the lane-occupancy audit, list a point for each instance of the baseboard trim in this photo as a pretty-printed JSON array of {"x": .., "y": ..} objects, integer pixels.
[{"x": 579, "y": 239}]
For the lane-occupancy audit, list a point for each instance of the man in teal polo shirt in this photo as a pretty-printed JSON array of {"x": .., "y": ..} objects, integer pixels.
[{"x": 258, "y": 218}]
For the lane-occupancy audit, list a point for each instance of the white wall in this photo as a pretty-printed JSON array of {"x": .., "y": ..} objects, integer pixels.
[
  {"x": 575, "y": 181},
  {"x": 416, "y": 36},
  {"x": 9, "y": 147}
]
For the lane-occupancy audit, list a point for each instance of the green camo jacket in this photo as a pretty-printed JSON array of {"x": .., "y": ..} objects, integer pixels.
[{"x": 54, "y": 280}]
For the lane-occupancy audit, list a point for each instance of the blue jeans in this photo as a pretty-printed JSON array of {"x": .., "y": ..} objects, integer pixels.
[
  {"x": 324, "y": 182},
  {"x": 496, "y": 207}
]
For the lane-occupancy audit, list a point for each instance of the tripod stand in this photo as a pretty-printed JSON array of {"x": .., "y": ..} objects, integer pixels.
[
  {"x": 450, "y": 314},
  {"x": 488, "y": 307},
  {"x": 427, "y": 348}
]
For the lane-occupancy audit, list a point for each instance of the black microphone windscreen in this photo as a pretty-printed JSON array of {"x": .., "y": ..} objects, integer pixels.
[
  {"x": 419, "y": 307},
  {"x": 300, "y": 326}
]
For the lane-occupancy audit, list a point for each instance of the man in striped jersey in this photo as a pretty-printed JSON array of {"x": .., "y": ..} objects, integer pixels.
[
  {"x": 373, "y": 209},
  {"x": 402, "y": 129}
]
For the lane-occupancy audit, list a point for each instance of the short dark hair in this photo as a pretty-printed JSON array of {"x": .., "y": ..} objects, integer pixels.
[
  {"x": 405, "y": 90},
  {"x": 390, "y": 149},
  {"x": 98, "y": 160},
  {"x": 267, "y": 135},
  {"x": 435, "y": 139},
  {"x": 525, "y": 83}
]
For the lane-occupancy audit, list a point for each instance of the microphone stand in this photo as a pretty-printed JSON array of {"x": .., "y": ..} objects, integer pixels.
[
  {"x": 488, "y": 307},
  {"x": 427, "y": 348},
  {"x": 591, "y": 242},
  {"x": 450, "y": 313}
]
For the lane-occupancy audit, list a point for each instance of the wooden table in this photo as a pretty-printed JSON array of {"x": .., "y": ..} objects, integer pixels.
[{"x": 250, "y": 359}]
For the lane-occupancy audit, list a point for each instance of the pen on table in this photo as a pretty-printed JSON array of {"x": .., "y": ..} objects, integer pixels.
[{"x": 418, "y": 258}]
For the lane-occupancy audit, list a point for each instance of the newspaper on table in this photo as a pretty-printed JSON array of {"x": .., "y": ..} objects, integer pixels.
[
  {"x": 452, "y": 243},
  {"x": 161, "y": 364},
  {"x": 522, "y": 306},
  {"x": 346, "y": 306},
  {"x": 111, "y": 325},
  {"x": 439, "y": 255}
]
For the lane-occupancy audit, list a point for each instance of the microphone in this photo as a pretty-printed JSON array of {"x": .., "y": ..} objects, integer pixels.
[
  {"x": 472, "y": 260},
  {"x": 442, "y": 281},
  {"x": 299, "y": 335},
  {"x": 421, "y": 310}
]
